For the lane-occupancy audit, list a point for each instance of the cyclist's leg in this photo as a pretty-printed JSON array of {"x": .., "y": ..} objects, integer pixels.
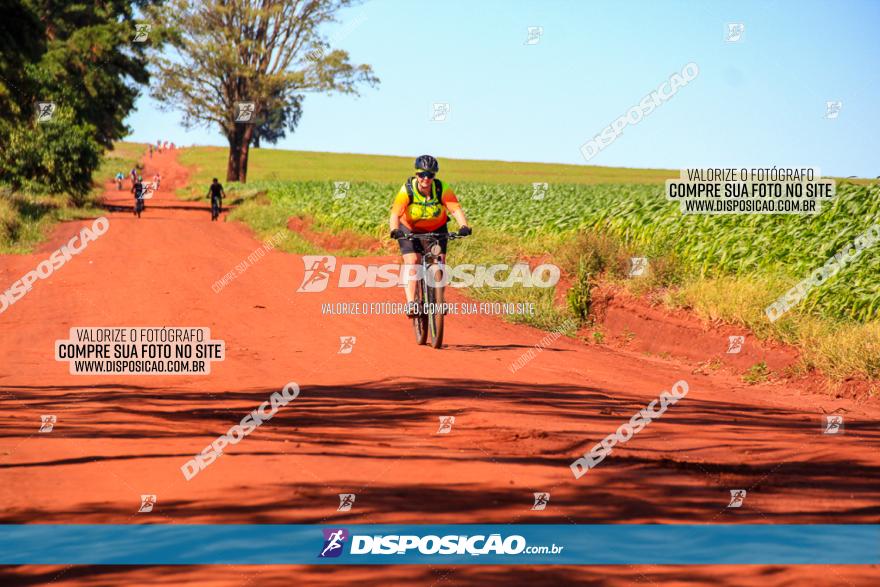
[
  {"x": 410, "y": 274},
  {"x": 411, "y": 269},
  {"x": 409, "y": 250}
]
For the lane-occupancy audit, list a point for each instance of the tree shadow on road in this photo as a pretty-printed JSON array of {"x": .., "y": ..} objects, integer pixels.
[{"x": 522, "y": 438}]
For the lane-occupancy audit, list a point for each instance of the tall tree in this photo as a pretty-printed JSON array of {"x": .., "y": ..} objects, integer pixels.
[
  {"x": 20, "y": 45},
  {"x": 81, "y": 57},
  {"x": 260, "y": 52},
  {"x": 274, "y": 125}
]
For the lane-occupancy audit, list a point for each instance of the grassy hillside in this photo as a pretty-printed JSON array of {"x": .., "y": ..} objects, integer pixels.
[{"x": 311, "y": 166}]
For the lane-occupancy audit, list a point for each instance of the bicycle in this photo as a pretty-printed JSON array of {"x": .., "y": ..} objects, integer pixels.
[{"x": 429, "y": 296}]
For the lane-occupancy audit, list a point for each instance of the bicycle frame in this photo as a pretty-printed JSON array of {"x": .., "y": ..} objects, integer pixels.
[
  {"x": 429, "y": 302},
  {"x": 430, "y": 294}
]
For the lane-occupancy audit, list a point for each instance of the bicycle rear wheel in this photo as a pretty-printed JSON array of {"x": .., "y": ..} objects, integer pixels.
[{"x": 435, "y": 306}]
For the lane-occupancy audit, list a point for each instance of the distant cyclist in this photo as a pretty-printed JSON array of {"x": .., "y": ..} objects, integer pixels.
[
  {"x": 421, "y": 206},
  {"x": 216, "y": 193},
  {"x": 138, "y": 190},
  {"x": 156, "y": 179},
  {"x": 119, "y": 179},
  {"x": 133, "y": 176}
]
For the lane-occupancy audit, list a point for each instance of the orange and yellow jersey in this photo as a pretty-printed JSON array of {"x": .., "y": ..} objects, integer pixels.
[{"x": 425, "y": 213}]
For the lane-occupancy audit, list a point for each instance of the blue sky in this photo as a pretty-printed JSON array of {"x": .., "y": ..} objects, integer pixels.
[{"x": 759, "y": 101}]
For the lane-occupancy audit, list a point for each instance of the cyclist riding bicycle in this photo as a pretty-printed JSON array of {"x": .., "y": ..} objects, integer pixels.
[
  {"x": 138, "y": 190},
  {"x": 156, "y": 179},
  {"x": 216, "y": 193},
  {"x": 119, "y": 179},
  {"x": 422, "y": 205}
]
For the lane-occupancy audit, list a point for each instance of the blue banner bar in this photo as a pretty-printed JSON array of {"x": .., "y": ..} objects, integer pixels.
[{"x": 531, "y": 544}]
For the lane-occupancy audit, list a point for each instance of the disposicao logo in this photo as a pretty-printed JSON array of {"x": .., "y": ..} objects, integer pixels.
[
  {"x": 453, "y": 544},
  {"x": 334, "y": 540},
  {"x": 317, "y": 272},
  {"x": 319, "y": 268}
]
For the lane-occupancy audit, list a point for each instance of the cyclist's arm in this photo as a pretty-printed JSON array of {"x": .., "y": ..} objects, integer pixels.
[
  {"x": 394, "y": 221},
  {"x": 459, "y": 216},
  {"x": 450, "y": 200},
  {"x": 401, "y": 200}
]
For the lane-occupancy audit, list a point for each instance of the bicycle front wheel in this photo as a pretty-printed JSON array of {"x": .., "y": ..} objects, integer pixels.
[
  {"x": 435, "y": 306},
  {"x": 420, "y": 322}
]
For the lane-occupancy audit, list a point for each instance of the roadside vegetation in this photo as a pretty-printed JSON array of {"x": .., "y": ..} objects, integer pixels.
[
  {"x": 61, "y": 109},
  {"x": 26, "y": 217},
  {"x": 724, "y": 269}
]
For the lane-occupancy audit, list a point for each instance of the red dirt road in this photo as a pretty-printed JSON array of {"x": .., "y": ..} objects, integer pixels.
[{"x": 366, "y": 422}]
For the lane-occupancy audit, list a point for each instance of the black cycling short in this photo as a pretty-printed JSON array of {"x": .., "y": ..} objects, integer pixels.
[{"x": 417, "y": 246}]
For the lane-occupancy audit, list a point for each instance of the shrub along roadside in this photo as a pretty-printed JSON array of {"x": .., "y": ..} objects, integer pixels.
[{"x": 838, "y": 348}]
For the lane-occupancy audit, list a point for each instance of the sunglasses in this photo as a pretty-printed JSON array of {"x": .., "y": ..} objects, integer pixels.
[{"x": 426, "y": 174}]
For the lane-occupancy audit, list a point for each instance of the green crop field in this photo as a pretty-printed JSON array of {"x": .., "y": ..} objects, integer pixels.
[{"x": 710, "y": 246}]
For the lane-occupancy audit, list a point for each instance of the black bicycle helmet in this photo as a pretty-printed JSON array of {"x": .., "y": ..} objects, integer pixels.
[{"x": 427, "y": 163}]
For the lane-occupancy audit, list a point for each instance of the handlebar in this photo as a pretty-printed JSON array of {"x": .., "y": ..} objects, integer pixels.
[{"x": 428, "y": 235}]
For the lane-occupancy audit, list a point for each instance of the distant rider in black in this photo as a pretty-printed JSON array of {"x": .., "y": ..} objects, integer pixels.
[{"x": 216, "y": 193}]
